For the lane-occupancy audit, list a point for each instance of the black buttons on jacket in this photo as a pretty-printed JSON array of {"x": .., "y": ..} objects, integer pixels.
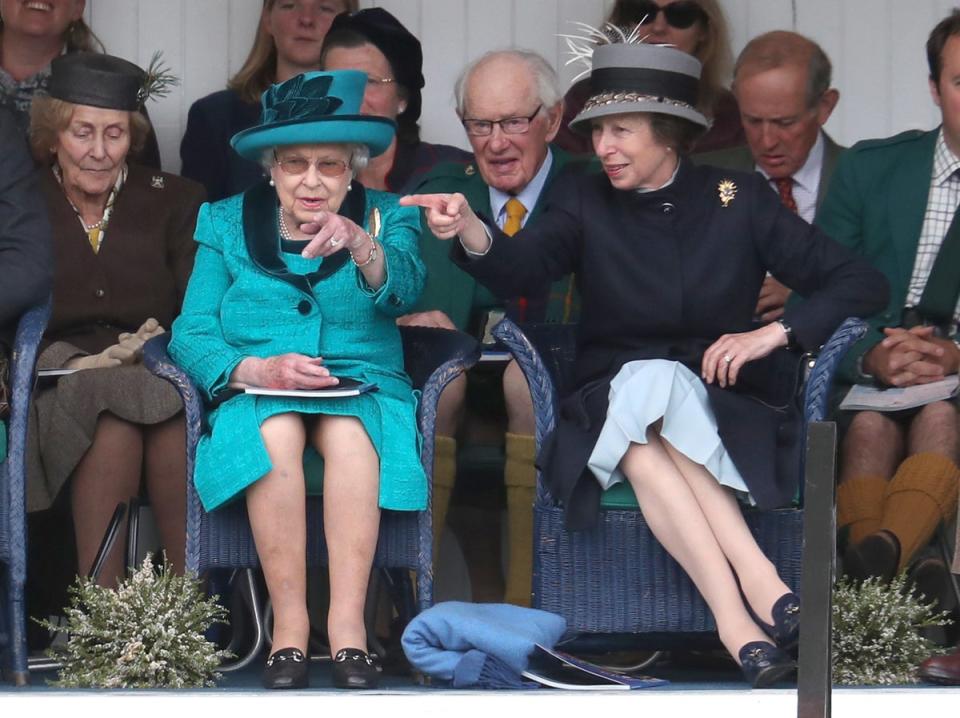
[
  {"x": 304, "y": 307},
  {"x": 99, "y": 294},
  {"x": 668, "y": 208},
  {"x": 394, "y": 300}
]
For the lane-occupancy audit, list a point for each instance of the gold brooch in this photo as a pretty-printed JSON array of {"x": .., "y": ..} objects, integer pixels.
[
  {"x": 469, "y": 170},
  {"x": 727, "y": 191}
]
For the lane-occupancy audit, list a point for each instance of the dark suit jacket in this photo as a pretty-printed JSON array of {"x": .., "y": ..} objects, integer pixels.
[
  {"x": 26, "y": 261},
  {"x": 663, "y": 275},
  {"x": 740, "y": 158},
  {"x": 448, "y": 288},
  {"x": 875, "y": 206},
  {"x": 143, "y": 265}
]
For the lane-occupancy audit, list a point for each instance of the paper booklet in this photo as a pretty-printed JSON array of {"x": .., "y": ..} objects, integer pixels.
[
  {"x": 55, "y": 372},
  {"x": 869, "y": 398},
  {"x": 555, "y": 669},
  {"x": 346, "y": 387}
]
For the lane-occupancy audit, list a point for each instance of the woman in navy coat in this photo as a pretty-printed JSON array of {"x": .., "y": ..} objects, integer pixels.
[{"x": 675, "y": 391}]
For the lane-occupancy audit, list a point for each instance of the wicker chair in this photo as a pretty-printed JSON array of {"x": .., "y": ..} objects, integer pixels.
[
  {"x": 13, "y": 519},
  {"x": 616, "y": 578},
  {"x": 222, "y": 538}
]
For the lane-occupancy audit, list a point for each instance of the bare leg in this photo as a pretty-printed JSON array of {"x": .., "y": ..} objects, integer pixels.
[
  {"x": 516, "y": 394},
  {"x": 873, "y": 446},
  {"x": 108, "y": 474},
  {"x": 165, "y": 471},
  {"x": 276, "y": 505},
  {"x": 677, "y": 520},
  {"x": 351, "y": 521},
  {"x": 935, "y": 430},
  {"x": 757, "y": 575}
]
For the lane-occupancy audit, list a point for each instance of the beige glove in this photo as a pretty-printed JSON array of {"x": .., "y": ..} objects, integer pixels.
[{"x": 111, "y": 356}]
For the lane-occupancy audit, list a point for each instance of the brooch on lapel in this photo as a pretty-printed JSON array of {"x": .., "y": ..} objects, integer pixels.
[
  {"x": 470, "y": 170},
  {"x": 156, "y": 182},
  {"x": 727, "y": 191}
]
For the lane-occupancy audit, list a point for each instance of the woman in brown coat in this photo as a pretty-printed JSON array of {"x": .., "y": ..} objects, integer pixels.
[{"x": 123, "y": 248}]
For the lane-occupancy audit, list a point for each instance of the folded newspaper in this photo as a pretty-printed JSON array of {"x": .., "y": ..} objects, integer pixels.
[{"x": 869, "y": 398}]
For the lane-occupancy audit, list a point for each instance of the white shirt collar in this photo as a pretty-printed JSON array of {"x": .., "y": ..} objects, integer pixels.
[{"x": 528, "y": 196}]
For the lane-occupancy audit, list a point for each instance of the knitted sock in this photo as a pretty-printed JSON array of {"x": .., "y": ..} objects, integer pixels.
[
  {"x": 860, "y": 506},
  {"x": 444, "y": 477},
  {"x": 520, "y": 478},
  {"x": 921, "y": 494}
]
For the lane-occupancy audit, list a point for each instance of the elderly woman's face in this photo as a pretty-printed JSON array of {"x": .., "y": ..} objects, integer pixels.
[
  {"x": 660, "y": 30},
  {"x": 310, "y": 179},
  {"x": 40, "y": 18},
  {"x": 298, "y": 28},
  {"x": 92, "y": 149},
  {"x": 381, "y": 98},
  {"x": 630, "y": 153}
]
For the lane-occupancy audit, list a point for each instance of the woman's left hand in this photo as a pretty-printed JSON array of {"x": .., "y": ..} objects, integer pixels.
[
  {"x": 725, "y": 357},
  {"x": 333, "y": 232}
]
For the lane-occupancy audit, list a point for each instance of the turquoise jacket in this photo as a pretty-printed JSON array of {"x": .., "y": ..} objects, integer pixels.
[
  {"x": 249, "y": 297},
  {"x": 875, "y": 206}
]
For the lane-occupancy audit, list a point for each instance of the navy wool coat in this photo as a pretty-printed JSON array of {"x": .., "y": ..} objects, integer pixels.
[{"x": 664, "y": 274}]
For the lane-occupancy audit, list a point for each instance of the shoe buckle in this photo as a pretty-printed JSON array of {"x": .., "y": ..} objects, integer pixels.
[
  {"x": 296, "y": 657},
  {"x": 792, "y": 610},
  {"x": 756, "y": 653}
]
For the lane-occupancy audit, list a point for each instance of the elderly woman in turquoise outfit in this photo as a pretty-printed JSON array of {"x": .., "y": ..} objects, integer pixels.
[{"x": 262, "y": 311}]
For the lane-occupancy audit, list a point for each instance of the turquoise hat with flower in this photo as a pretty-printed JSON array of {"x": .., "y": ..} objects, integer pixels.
[{"x": 315, "y": 108}]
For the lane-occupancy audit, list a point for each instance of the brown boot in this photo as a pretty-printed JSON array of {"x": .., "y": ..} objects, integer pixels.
[
  {"x": 520, "y": 478},
  {"x": 921, "y": 494},
  {"x": 444, "y": 478},
  {"x": 860, "y": 506}
]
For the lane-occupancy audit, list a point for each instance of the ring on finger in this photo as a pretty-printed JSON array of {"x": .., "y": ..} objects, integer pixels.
[
  {"x": 334, "y": 242},
  {"x": 727, "y": 358}
]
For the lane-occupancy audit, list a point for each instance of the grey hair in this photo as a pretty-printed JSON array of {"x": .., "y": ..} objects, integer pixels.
[
  {"x": 545, "y": 77},
  {"x": 359, "y": 156},
  {"x": 781, "y": 48}
]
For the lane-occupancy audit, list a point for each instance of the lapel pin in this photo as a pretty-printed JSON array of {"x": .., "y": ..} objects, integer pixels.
[{"x": 156, "y": 182}]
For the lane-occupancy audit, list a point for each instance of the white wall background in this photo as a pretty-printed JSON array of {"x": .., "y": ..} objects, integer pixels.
[{"x": 877, "y": 49}]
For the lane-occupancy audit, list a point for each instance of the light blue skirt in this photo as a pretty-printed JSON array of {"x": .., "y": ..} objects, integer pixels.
[{"x": 644, "y": 392}]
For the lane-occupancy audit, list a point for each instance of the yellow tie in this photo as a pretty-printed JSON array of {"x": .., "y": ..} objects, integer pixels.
[{"x": 515, "y": 214}]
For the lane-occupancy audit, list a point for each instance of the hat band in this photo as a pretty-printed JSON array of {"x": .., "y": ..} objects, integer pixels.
[
  {"x": 663, "y": 84},
  {"x": 622, "y": 98}
]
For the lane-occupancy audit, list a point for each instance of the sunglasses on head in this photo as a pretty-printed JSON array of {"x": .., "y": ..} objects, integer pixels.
[{"x": 681, "y": 14}]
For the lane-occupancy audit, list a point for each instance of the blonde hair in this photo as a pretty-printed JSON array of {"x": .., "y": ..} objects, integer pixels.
[
  {"x": 50, "y": 116},
  {"x": 713, "y": 52},
  {"x": 259, "y": 70}
]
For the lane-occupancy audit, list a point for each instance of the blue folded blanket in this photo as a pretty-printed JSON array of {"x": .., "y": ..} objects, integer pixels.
[{"x": 478, "y": 644}]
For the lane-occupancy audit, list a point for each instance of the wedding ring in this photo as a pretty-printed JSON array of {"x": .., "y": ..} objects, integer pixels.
[
  {"x": 334, "y": 242},
  {"x": 727, "y": 358}
]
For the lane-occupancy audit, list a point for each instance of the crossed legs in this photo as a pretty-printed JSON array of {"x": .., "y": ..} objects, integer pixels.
[
  {"x": 699, "y": 523},
  {"x": 276, "y": 505}
]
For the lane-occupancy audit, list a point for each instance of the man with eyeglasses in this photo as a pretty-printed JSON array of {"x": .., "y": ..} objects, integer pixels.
[
  {"x": 896, "y": 201},
  {"x": 510, "y": 105},
  {"x": 782, "y": 85}
]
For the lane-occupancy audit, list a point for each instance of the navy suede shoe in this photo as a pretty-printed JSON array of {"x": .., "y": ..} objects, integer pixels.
[
  {"x": 353, "y": 668},
  {"x": 763, "y": 664},
  {"x": 286, "y": 668}
]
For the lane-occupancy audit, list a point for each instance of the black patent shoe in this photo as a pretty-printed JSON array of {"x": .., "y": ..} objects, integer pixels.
[
  {"x": 785, "y": 630},
  {"x": 353, "y": 668},
  {"x": 286, "y": 668},
  {"x": 763, "y": 664}
]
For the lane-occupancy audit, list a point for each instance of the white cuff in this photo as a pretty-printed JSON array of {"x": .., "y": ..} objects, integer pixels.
[{"x": 470, "y": 252}]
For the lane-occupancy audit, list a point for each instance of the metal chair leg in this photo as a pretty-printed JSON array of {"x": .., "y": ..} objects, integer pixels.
[{"x": 249, "y": 588}]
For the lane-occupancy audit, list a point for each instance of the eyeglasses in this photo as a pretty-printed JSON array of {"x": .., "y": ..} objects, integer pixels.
[
  {"x": 379, "y": 81},
  {"x": 299, "y": 165},
  {"x": 510, "y": 125},
  {"x": 681, "y": 14}
]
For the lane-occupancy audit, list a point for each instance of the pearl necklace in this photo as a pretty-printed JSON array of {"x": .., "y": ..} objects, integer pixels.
[{"x": 284, "y": 232}]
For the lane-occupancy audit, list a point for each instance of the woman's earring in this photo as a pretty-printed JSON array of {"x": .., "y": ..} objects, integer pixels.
[
  {"x": 272, "y": 183},
  {"x": 349, "y": 186}
]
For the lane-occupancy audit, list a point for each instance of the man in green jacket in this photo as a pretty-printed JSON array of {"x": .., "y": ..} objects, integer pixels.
[
  {"x": 510, "y": 105},
  {"x": 895, "y": 201}
]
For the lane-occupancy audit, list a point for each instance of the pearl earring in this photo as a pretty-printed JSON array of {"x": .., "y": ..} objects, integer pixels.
[
  {"x": 349, "y": 186},
  {"x": 272, "y": 183}
]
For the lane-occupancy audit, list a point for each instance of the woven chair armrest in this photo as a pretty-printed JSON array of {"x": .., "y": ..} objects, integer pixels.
[
  {"x": 816, "y": 395},
  {"x": 432, "y": 358},
  {"x": 158, "y": 362},
  {"x": 26, "y": 343}
]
